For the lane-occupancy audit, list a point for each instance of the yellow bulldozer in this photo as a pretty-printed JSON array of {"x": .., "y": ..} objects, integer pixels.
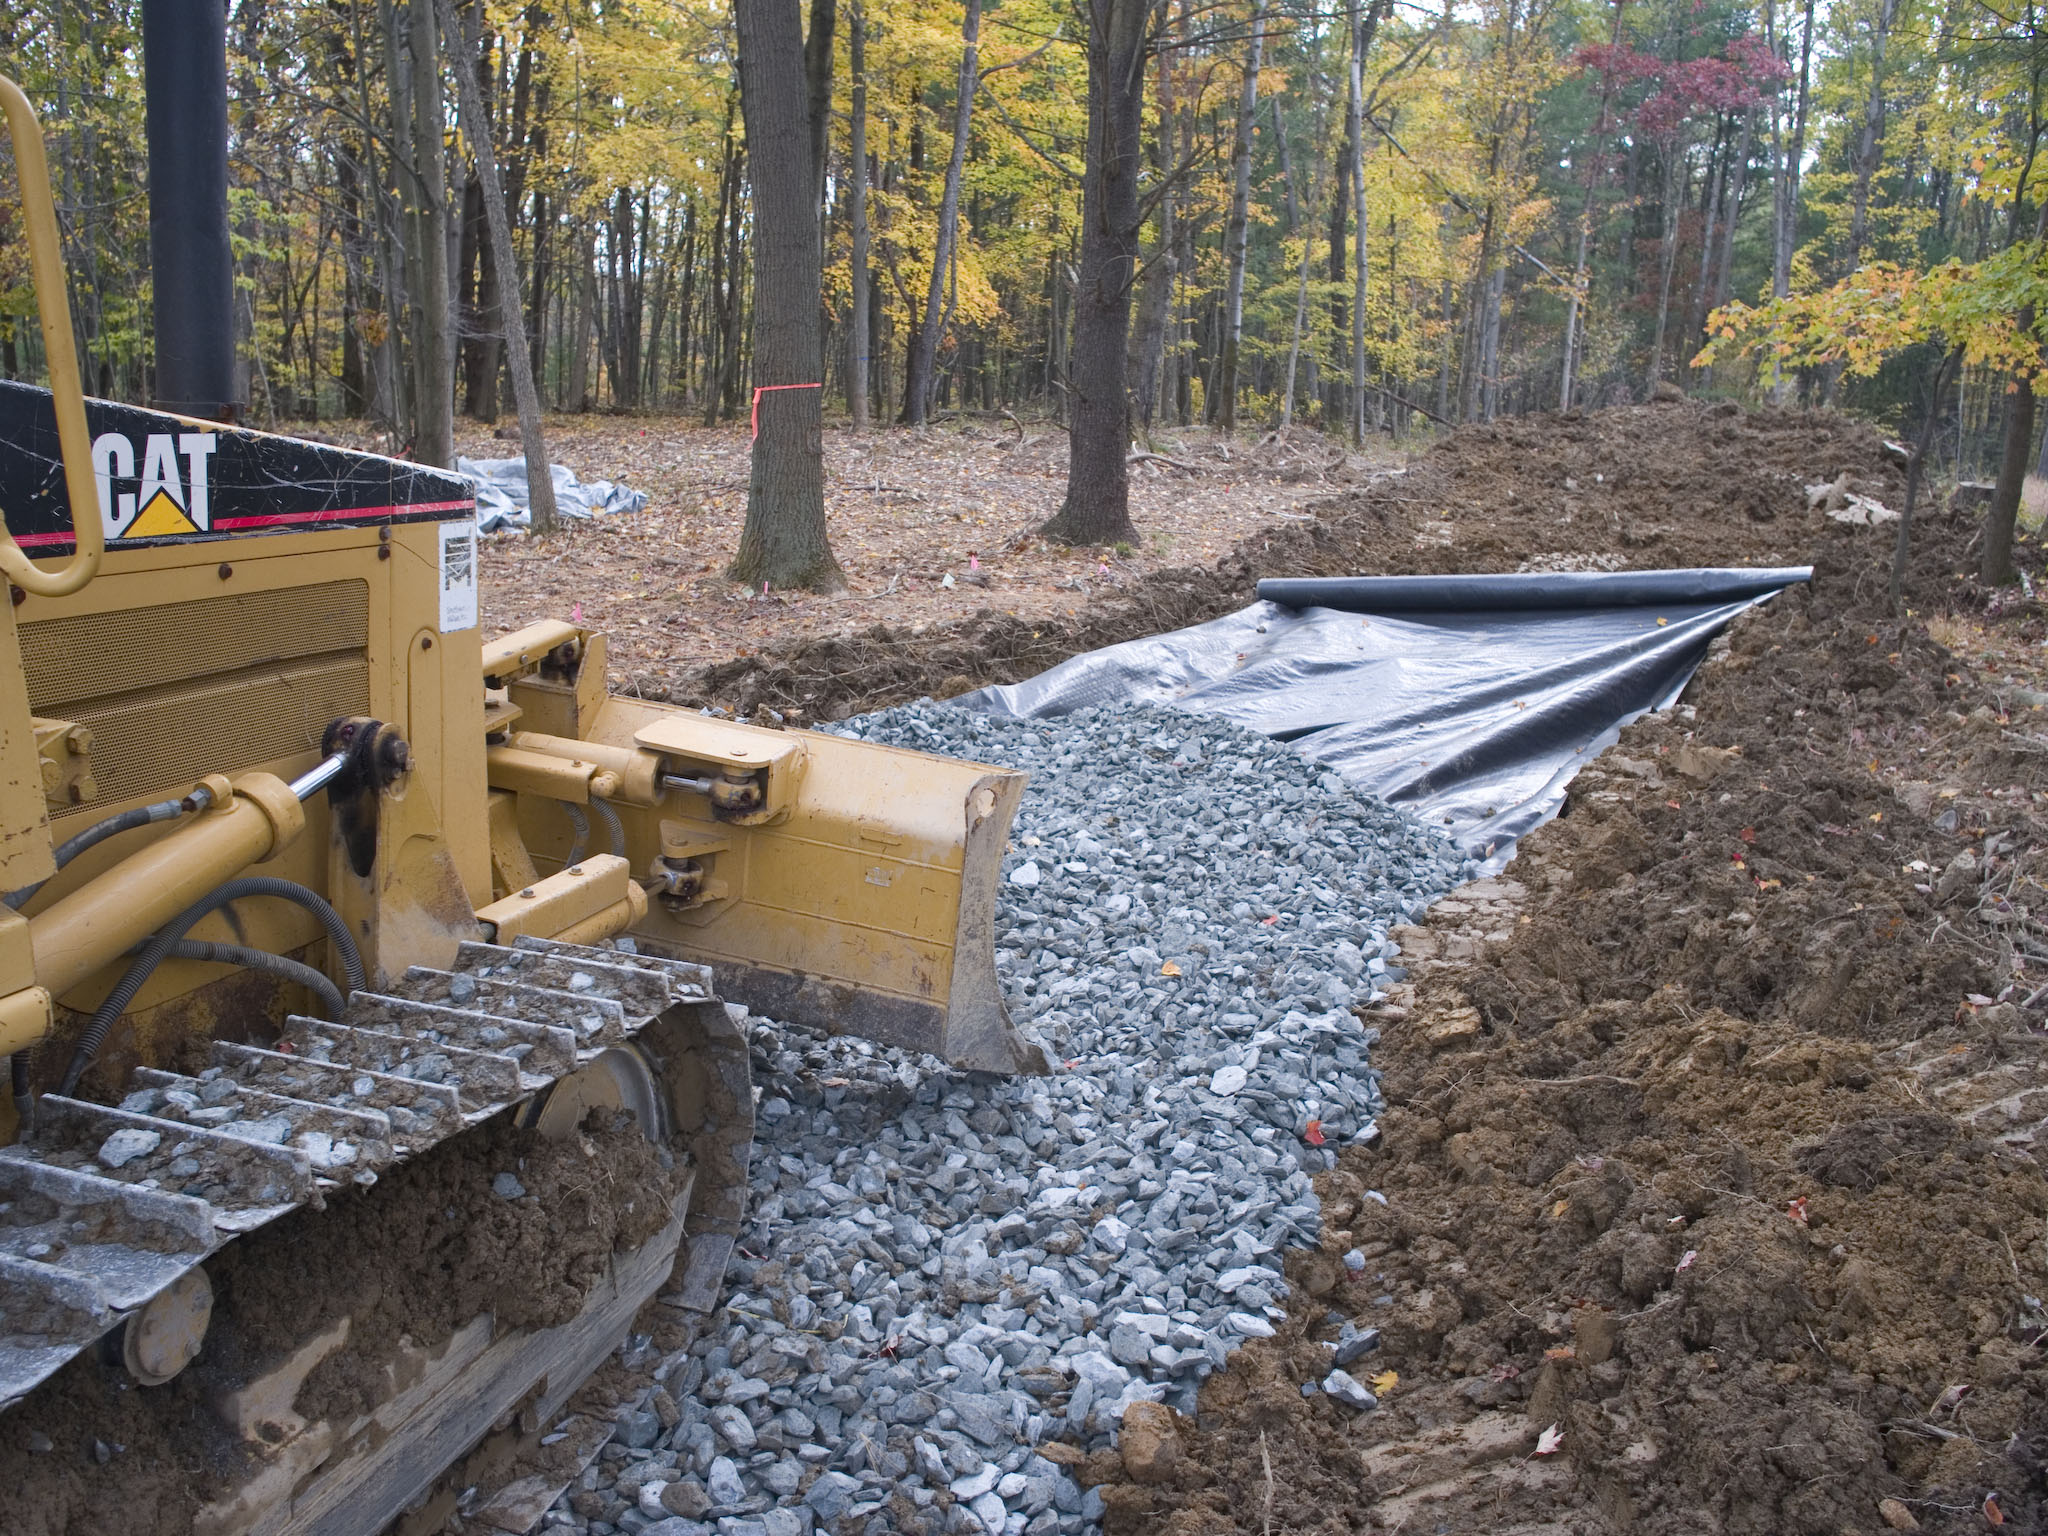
[{"x": 320, "y": 908}]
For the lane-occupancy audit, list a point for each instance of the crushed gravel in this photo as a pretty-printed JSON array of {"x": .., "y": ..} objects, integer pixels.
[{"x": 946, "y": 1272}]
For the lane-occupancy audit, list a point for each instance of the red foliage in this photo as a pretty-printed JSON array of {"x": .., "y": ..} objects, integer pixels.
[{"x": 1745, "y": 73}]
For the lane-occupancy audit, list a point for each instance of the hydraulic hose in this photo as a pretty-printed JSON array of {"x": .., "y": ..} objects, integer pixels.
[
  {"x": 613, "y": 829},
  {"x": 160, "y": 946},
  {"x": 312, "y": 978},
  {"x": 581, "y": 823},
  {"x": 113, "y": 826},
  {"x": 24, "y": 1093}
]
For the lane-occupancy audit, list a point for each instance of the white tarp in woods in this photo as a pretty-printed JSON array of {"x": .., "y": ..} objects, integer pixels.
[{"x": 501, "y": 498}]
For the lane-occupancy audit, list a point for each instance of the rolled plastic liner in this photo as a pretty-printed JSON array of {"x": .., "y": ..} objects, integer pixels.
[
  {"x": 1522, "y": 592},
  {"x": 1470, "y": 700}
]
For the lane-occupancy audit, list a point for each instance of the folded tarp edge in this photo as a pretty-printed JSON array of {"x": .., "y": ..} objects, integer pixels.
[{"x": 1525, "y": 591}]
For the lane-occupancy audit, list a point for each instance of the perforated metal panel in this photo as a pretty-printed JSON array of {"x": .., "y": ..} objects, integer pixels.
[{"x": 212, "y": 686}]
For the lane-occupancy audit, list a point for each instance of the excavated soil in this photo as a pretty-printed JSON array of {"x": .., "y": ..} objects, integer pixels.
[
  {"x": 1708, "y": 1199},
  {"x": 1641, "y": 487},
  {"x": 416, "y": 1256}
]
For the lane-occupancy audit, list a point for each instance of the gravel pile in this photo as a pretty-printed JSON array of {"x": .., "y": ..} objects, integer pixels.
[{"x": 961, "y": 1268}]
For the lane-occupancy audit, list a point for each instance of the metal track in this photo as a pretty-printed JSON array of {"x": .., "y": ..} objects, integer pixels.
[{"x": 103, "y": 1209}]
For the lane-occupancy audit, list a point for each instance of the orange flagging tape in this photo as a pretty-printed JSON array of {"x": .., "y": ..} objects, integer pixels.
[{"x": 763, "y": 389}]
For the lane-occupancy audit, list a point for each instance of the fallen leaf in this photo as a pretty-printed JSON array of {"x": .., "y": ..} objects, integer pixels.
[
  {"x": 1686, "y": 1263},
  {"x": 1169, "y": 969},
  {"x": 1747, "y": 834},
  {"x": 1561, "y": 1352},
  {"x": 1797, "y": 1210},
  {"x": 1559, "y": 1209},
  {"x": 1385, "y": 1382},
  {"x": 1549, "y": 1440},
  {"x": 1993, "y": 1515},
  {"x": 1314, "y": 1134}
]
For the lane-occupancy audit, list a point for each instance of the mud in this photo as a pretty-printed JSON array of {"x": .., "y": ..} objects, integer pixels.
[
  {"x": 426, "y": 1249},
  {"x": 1712, "y": 1139},
  {"x": 1647, "y": 486}
]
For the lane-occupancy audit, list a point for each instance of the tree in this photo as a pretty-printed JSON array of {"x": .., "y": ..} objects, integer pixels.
[
  {"x": 857, "y": 153},
  {"x": 919, "y": 378},
  {"x": 1237, "y": 239},
  {"x": 476, "y": 127},
  {"x": 435, "y": 366},
  {"x": 1989, "y": 313},
  {"x": 784, "y": 543},
  {"x": 1097, "y": 507}
]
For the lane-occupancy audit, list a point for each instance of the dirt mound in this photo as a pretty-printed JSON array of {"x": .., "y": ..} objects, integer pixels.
[
  {"x": 1710, "y": 1149},
  {"x": 1641, "y": 487}
]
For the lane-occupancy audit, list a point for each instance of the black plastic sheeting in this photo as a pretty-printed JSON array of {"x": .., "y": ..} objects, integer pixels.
[{"x": 1471, "y": 700}]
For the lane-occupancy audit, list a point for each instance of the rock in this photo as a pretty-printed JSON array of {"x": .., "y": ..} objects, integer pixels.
[
  {"x": 677, "y": 1527},
  {"x": 507, "y": 1187},
  {"x": 1354, "y": 1344},
  {"x": 1250, "y": 1326},
  {"x": 649, "y": 1501},
  {"x": 1128, "y": 1345},
  {"x": 1149, "y": 1439},
  {"x": 990, "y": 1511},
  {"x": 984, "y": 1417},
  {"x": 1228, "y": 1080},
  {"x": 724, "y": 1483},
  {"x": 732, "y": 1426},
  {"x": 786, "y": 1521},
  {"x": 1025, "y": 874},
  {"x": 638, "y": 1430},
  {"x": 126, "y": 1145},
  {"x": 976, "y": 1484},
  {"x": 1897, "y": 1516},
  {"x": 1455, "y": 1027},
  {"x": 685, "y": 1497},
  {"x": 1342, "y": 1386},
  {"x": 830, "y": 1495}
]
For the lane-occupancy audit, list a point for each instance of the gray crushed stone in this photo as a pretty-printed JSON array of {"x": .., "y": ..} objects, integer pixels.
[{"x": 945, "y": 1270}]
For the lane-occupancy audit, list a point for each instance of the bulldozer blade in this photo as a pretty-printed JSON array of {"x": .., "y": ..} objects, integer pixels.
[{"x": 860, "y": 898}]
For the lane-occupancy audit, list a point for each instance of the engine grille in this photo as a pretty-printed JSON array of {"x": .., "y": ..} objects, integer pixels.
[{"x": 216, "y": 685}]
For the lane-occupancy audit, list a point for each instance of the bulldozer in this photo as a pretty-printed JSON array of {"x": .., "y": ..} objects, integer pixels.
[{"x": 367, "y": 984}]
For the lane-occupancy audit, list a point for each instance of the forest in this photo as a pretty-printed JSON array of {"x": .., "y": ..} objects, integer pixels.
[{"x": 1366, "y": 218}]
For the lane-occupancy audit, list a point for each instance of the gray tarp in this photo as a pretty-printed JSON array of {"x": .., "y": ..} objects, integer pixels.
[
  {"x": 501, "y": 493},
  {"x": 1471, "y": 700}
]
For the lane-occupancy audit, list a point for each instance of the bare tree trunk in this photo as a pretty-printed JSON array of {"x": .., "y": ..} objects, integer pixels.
[
  {"x": 1870, "y": 134},
  {"x": 1667, "y": 257},
  {"x": 1902, "y": 542},
  {"x": 1724, "y": 275},
  {"x": 1997, "y": 568},
  {"x": 1286, "y": 167},
  {"x": 784, "y": 542},
  {"x": 1785, "y": 196},
  {"x": 435, "y": 442},
  {"x": 540, "y": 480},
  {"x": 1235, "y": 240},
  {"x": 919, "y": 381},
  {"x": 1578, "y": 294},
  {"x": 1318, "y": 122},
  {"x": 1364, "y": 22},
  {"x": 583, "y": 282},
  {"x": 1097, "y": 505},
  {"x": 857, "y": 337},
  {"x": 1710, "y": 208}
]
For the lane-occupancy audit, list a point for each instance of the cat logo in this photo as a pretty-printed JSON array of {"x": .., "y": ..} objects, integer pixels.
[{"x": 168, "y": 499}]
